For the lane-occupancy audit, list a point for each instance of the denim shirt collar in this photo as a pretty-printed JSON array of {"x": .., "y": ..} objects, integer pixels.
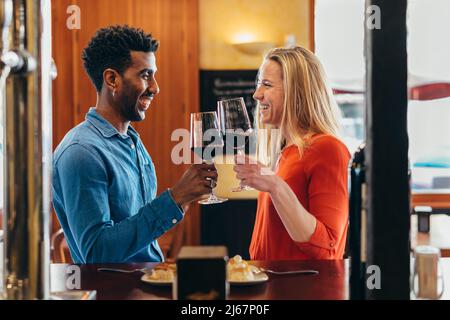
[{"x": 104, "y": 127}]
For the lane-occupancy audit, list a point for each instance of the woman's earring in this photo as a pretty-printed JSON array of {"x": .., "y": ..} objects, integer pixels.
[{"x": 114, "y": 92}]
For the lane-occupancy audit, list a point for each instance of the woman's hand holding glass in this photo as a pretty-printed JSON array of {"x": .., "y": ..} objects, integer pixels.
[
  {"x": 235, "y": 123},
  {"x": 254, "y": 174}
]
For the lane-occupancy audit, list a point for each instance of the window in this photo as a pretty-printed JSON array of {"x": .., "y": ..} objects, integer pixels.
[
  {"x": 339, "y": 30},
  {"x": 339, "y": 38},
  {"x": 429, "y": 77}
]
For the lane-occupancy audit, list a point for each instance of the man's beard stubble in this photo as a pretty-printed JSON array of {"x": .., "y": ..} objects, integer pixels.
[{"x": 128, "y": 108}]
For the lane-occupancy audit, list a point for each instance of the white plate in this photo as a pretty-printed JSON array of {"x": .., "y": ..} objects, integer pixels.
[
  {"x": 259, "y": 278},
  {"x": 146, "y": 278}
]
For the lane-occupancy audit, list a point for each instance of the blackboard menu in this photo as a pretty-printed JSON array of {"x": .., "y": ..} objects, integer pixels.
[{"x": 218, "y": 85}]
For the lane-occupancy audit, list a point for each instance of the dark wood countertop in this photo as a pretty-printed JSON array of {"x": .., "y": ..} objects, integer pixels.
[{"x": 331, "y": 283}]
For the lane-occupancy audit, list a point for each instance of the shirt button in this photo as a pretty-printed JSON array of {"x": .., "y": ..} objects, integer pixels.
[
  {"x": 331, "y": 245},
  {"x": 132, "y": 146},
  {"x": 174, "y": 221}
]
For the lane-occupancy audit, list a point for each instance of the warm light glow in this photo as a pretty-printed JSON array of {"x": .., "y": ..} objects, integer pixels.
[
  {"x": 246, "y": 43},
  {"x": 243, "y": 38},
  {"x": 222, "y": 22},
  {"x": 254, "y": 48}
]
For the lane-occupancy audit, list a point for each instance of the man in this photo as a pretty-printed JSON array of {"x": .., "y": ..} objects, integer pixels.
[{"x": 104, "y": 182}]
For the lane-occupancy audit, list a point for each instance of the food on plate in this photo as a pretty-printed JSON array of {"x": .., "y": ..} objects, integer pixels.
[
  {"x": 240, "y": 270},
  {"x": 163, "y": 272}
]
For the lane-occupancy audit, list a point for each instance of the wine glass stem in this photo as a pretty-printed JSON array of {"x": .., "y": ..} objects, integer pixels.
[
  {"x": 242, "y": 187},
  {"x": 241, "y": 152},
  {"x": 212, "y": 195}
]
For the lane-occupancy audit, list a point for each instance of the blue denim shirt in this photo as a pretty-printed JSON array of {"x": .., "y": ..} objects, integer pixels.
[{"x": 104, "y": 194}]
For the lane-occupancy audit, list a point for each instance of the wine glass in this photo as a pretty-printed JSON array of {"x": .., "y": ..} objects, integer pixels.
[
  {"x": 204, "y": 128},
  {"x": 235, "y": 122}
]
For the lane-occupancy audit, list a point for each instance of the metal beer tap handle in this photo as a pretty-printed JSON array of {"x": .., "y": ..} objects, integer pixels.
[{"x": 20, "y": 62}]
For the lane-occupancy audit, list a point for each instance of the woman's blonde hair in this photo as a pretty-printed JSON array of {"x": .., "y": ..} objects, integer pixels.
[{"x": 309, "y": 106}]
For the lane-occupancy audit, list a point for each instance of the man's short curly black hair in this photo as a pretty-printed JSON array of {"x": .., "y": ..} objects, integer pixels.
[{"x": 110, "y": 48}]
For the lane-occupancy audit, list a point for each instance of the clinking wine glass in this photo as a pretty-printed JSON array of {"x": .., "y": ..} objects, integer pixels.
[
  {"x": 235, "y": 122},
  {"x": 205, "y": 140}
]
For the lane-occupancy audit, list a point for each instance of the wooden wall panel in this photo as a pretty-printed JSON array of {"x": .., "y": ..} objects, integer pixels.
[
  {"x": 63, "y": 94},
  {"x": 175, "y": 25}
]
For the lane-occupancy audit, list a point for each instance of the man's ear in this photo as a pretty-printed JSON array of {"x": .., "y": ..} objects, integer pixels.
[{"x": 111, "y": 79}]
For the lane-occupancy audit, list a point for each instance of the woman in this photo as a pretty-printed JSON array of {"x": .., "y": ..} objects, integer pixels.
[{"x": 303, "y": 204}]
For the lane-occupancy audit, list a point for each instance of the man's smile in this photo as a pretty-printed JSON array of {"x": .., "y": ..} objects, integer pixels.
[{"x": 144, "y": 102}]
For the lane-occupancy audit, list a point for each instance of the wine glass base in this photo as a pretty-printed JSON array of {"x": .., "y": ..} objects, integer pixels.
[
  {"x": 244, "y": 188},
  {"x": 213, "y": 201}
]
